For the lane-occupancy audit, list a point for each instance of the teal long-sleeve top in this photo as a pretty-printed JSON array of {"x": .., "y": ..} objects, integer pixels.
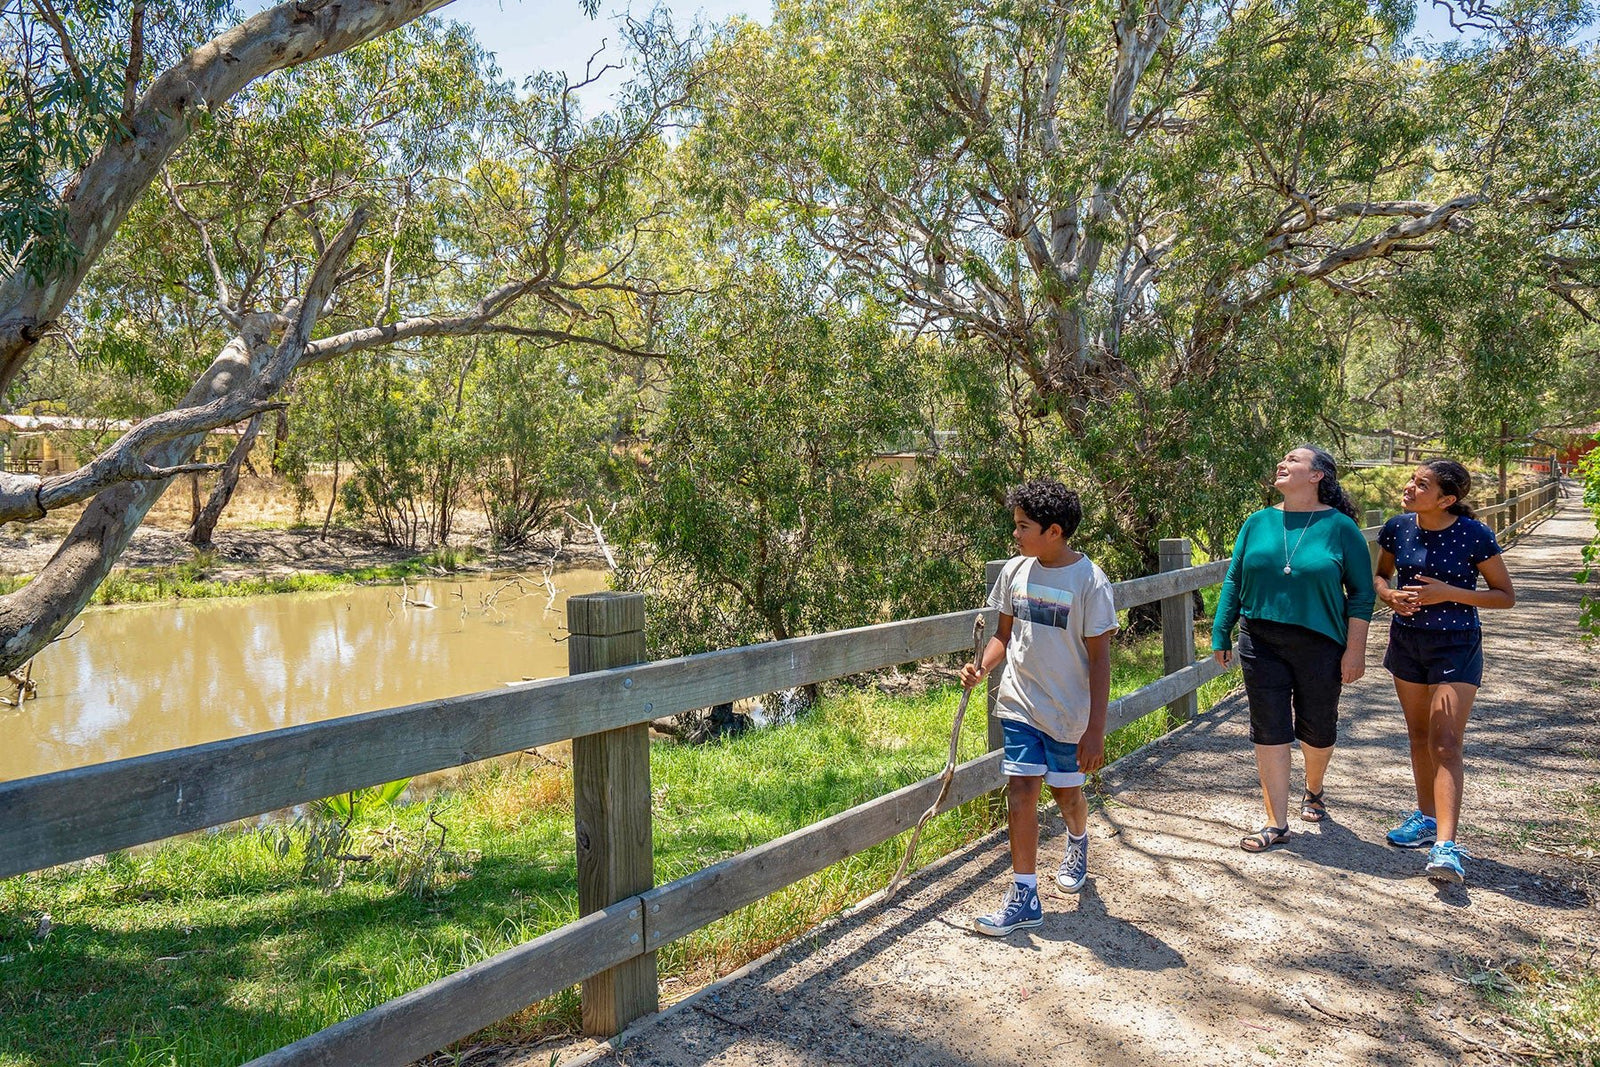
[{"x": 1330, "y": 577}]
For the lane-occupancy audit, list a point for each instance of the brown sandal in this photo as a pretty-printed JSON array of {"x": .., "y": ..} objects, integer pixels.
[
  {"x": 1264, "y": 838},
  {"x": 1312, "y": 809}
]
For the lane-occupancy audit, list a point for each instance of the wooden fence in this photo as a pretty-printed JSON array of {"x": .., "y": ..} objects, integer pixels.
[{"x": 605, "y": 707}]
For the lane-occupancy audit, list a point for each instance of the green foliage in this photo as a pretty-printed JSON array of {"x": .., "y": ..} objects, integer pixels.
[
  {"x": 61, "y": 91},
  {"x": 768, "y": 504},
  {"x": 1152, "y": 283},
  {"x": 1589, "y": 473},
  {"x": 333, "y": 846},
  {"x": 346, "y": 806},
  {"x": 540, "y": 423},
  {"x": 192, "y": 580}
]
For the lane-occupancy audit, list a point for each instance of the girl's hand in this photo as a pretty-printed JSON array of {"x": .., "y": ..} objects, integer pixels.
[
  {"x": 1223, "y": 656},
  {"x": 971, "y": 674},
  {"x": 1352, "y": 665},
  {"x": 1400, "y": 601},
  {"x": 1427, "y": 590}
]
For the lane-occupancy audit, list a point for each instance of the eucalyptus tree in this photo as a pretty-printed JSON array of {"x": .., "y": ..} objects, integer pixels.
[
  {"x": 760, "y": 508},
  {"x": 1128, "y": 202},
  {"x": 332, "y": 287}
]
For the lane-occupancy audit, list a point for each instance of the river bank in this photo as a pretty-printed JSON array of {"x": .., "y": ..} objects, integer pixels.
[
  {"x": 159, "y": 565},
  {"x": 268, "y": 543}
]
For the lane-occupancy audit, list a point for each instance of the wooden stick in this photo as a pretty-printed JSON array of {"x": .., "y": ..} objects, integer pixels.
[{"x": 948, "y": 773}]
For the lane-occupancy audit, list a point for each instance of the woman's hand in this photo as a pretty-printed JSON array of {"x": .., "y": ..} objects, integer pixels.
[
  {"x": 1353, "y": 664},
  {"x": 1427, "y": 590},
  {"x": 971, "y": 674},
  {"x": 1223, "y": 656}
]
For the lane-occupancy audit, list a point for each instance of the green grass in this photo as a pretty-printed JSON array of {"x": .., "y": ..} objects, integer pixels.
[
  {"x": 1551, "y": 1001},
  {"x": 213, "y": 949},
  {"x": 191, "y": 580}
]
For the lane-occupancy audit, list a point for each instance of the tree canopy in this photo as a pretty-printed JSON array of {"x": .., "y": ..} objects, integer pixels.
[{"x": 1143, "y": 246}]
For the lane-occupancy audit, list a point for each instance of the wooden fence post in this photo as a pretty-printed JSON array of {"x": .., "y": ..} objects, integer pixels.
[
  {"x": 991, "y": 576},
  {"x": 1177, "y": 627},
  {"x": 1514, "y": 508},
  {"x": 1373, "y": 517},
  {"x": 611, "y": 803}
]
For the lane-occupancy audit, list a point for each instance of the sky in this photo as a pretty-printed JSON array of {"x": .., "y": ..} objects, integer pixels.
[{"x": 529, "y": 36}]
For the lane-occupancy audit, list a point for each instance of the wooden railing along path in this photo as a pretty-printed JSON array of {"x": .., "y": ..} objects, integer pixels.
[{"x": 605, "y": 708}]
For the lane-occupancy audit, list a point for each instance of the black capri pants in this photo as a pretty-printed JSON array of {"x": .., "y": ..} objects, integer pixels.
[{"x": 1292, "y": 680}]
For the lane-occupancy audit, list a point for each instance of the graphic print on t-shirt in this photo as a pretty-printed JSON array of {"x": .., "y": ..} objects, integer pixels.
[{"x": 1043, "y": 605}]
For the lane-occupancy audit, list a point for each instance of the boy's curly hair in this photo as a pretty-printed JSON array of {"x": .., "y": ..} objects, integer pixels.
[{"x": 1048, "y": 503}]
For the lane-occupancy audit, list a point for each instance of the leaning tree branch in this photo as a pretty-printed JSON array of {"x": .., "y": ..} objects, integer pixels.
[
  {"x": 1391, "y": 240},
  {"x": 243, "y": 376},
  {"x": 24, "y": 498},
  {"x": 105, "y": 190}
]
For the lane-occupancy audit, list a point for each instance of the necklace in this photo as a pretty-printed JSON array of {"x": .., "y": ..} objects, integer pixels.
[{"x": 1288, "y": 556}]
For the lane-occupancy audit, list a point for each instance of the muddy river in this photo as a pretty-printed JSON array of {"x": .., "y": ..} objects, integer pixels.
[{"x": 146, "y": 678}]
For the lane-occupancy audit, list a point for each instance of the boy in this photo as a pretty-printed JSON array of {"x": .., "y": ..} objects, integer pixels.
[{"x": 1056, "y": 622}]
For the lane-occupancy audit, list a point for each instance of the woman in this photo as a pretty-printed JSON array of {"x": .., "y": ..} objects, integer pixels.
[
  {"x": 1435, "y": 643},
  {"x": 1300, "y": 588}
]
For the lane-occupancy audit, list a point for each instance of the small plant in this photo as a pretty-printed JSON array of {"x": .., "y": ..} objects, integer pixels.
[
  {"x": 452, "y": 557},
  {"x": 331, "y": 847}
]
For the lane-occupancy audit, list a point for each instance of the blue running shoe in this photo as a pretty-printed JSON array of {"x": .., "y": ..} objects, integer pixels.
[
  {"x": 1021, "y": 908},
  {"x": 1075, "y": 864},
  {"x": 1444, "y": 862},
  {"x": 1417, "y": 831}
]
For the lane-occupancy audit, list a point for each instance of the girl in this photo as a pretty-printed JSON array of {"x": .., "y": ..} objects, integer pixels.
[
  {"x": 1300, "y": 587},
  {"x": 1435, "y": 644}
]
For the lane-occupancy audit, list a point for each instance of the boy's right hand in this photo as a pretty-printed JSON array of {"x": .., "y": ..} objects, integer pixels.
[
  {"x": 971, "y": 674},
  {"x": 1223, "y": 656}
]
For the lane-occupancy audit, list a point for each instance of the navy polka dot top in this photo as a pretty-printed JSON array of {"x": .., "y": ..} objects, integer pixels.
[{"x": 1451, "y": 555}]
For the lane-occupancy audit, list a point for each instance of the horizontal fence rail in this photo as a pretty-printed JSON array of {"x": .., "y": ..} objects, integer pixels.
[{"x": 85, "y": 811}]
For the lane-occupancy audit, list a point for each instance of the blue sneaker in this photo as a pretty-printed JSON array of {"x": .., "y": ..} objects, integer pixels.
[
  {"x": 1417, "y": 831},
  {"x": 1444, "y": 862},
  {"x": 1075, "y": 864},
  {"x": 1021, "y": 908}
]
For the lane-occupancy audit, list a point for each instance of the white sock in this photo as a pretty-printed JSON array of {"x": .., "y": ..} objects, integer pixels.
[
  {"x": 1029, "y": 880},
  {"x": 1078, "y": 837}
]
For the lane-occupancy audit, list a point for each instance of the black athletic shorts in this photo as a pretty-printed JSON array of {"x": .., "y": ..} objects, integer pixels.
[
  {"x": 1434, "y": 657},
  {"x": 1292, "y": 680}
]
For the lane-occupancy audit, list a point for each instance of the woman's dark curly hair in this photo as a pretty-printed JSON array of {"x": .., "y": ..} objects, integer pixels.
[
  {"x": 1329, "y": 491},
  {"x": 1048, "y": 503}
]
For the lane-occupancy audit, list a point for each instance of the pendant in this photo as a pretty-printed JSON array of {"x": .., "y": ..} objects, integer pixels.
[{"x": 1286, "y": 570}]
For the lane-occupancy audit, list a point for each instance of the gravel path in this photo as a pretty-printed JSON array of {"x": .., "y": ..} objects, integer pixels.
[{"x": 1332, "y": 950}]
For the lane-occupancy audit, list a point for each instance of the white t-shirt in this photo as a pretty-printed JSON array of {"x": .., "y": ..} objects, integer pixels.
[{"x": 1046, "y": 680}]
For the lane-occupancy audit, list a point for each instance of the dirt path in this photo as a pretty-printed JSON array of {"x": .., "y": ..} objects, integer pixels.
[{"x": 1333, "y": 950}]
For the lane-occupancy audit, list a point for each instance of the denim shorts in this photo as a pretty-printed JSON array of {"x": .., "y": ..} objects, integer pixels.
[
  {"x": 1434, "y": 657},
  {"x": 1032, "y": 754}
]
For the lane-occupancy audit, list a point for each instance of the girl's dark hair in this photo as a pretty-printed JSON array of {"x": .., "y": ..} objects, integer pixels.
[
  {"x": 1329, "y": 490},
  {"x": 1048, "y": 503},
  {"x": 1453, "y": 479}
]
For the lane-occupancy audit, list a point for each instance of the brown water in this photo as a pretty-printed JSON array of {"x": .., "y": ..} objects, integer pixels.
[{"x": 147, "y": 678}]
